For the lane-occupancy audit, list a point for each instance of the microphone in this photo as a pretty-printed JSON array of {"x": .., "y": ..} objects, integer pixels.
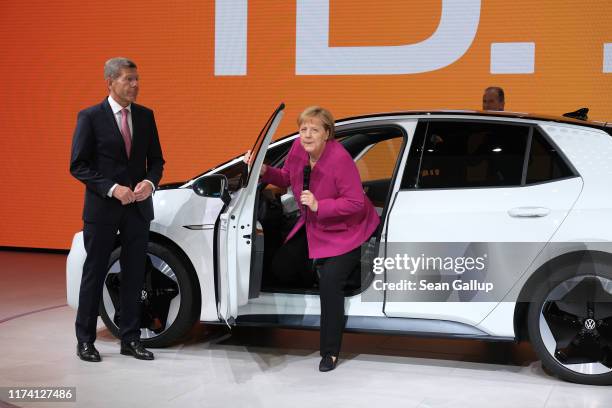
[{"x": 307, "y": 170}]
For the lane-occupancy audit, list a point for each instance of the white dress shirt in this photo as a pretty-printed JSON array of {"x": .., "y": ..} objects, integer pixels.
[
  {"x": 117, "y": 112},
  {"x": 116, "y": 108}
]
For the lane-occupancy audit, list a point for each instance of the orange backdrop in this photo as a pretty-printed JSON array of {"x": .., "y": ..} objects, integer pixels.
[{"x": 53, "y": 54}]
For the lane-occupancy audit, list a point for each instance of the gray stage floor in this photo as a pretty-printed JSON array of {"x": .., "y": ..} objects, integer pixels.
[{"x": 258, "y": 367}]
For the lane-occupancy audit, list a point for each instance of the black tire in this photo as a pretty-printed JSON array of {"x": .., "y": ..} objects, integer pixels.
[
  {"x": 570, "y": 337},
  {"x": 161, "y": 331}
]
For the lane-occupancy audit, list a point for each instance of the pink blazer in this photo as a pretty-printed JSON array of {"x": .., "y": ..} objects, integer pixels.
[{"x": 345, "y": 218}]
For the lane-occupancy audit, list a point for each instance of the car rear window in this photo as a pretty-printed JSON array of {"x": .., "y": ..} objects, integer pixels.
[{"x": 545, "y": 162}]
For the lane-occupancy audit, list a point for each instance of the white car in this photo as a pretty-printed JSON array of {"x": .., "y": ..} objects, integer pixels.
[{"x": 526, "y": 197}]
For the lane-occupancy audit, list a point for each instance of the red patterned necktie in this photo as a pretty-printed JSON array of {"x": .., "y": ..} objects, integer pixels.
[{"x": 125, "y": 131}]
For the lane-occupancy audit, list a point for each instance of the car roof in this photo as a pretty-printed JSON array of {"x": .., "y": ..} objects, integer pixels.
[{"x": 606, "y": 126}]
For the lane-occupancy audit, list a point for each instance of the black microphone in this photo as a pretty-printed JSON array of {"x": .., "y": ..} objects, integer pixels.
[{"x": 307, "y": 170}]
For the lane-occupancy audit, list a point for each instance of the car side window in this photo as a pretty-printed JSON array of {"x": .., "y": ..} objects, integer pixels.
[
  {"x": 378, "y": 162},
  {"x": 237, "y": 173},
  {"x": 411, "y": 171},
  {"x": 463, "y": 154},
  {"x": 376, "y": 166},
  {"x": 545, "y": 162}
]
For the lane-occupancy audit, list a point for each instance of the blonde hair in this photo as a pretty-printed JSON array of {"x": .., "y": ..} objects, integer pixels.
[{"x": 320, "y": 113}]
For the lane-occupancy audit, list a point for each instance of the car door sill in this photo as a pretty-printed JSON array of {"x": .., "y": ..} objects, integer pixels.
[{"x": 375, "y": 324}]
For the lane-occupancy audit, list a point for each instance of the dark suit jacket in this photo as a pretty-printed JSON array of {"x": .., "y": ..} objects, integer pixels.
[{"x": 99, "y": 159}]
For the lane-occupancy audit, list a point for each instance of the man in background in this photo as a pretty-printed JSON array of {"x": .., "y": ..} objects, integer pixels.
[
  {"x": 117, "y": 155},
  {"x": 493, "y": 99}
]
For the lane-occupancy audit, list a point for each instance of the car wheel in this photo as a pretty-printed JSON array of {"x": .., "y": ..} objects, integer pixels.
[
  {"x": 570, "y": 325},
  {"x": 169, "y": 298}
]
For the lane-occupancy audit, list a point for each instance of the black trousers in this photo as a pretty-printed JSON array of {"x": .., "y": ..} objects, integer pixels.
[
  {"x": 99, "y": 242},
  {"x": 291, "y": 265}
]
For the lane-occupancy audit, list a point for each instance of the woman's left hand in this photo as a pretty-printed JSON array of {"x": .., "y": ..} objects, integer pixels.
[{"x": 308, "y": 199}]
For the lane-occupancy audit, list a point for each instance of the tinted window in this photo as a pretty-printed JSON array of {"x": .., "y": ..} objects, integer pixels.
[
  {"x": 411, "y": 172},
  {"x": 472, "y": 154},
  {"x": 545, "y": 163},
  {"x": 236, "y": 175}
]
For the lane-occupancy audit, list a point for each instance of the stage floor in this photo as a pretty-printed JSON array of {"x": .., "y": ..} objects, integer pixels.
[{"x": 251, "y": 367}]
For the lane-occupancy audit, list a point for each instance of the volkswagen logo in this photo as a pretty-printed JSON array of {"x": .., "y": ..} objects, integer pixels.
[
  {"x": 589, "y": 324},
  {"x": 143, "y": 296}
]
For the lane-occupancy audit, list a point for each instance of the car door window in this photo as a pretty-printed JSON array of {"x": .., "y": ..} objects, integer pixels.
[
  {"x": 376, "y": 166},
  {"x": 237, "y": 173},
  {"x": 378, "y": 161},
  {"x": 463, "y": 154},
  {"x": 545, "y": 162}
]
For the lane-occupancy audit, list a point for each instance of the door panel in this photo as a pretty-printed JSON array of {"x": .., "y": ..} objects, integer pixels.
[
  {"x": 236, "y": 231},
  {"x": 473, "y": 222},
  {"x": 503, "y": 220}
]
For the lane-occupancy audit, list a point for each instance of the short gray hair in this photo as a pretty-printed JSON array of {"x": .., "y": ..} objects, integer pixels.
[
  {"x": 113, "y": 66},
  {"x": 325, "y": 116}
]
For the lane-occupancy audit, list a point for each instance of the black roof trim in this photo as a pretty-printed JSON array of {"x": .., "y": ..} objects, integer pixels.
[{"x": 607, "y": 126}]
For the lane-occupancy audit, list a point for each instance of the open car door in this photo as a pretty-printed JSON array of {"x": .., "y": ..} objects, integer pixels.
[{"x": 236, "y": 231}]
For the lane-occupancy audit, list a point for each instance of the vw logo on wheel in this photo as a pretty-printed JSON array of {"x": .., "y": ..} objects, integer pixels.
[
  {"x": 589, "y": 324},
  {"x": 143, "y": 295}
]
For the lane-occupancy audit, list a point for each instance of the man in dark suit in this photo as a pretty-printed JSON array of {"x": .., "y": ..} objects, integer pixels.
[{"x": 117, "y": 155}]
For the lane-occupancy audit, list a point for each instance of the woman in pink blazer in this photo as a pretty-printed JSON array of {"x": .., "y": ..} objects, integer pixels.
[{"x": 336, "y": 217}]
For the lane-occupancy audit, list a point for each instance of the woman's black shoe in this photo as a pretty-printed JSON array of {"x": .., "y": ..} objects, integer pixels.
[{"x": 327, "y": 363}]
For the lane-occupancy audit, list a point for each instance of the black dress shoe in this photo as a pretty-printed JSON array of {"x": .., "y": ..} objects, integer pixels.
[
  {"x": 135, "y": 348},
  {"x": 327, "y": 363},
  {"x": 87, "y": 352}
]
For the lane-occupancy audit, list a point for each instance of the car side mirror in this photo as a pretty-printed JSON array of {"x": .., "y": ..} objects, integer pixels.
[{"x": 214, "y": 185}]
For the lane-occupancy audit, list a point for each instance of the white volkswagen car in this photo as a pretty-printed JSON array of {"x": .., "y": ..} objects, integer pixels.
[{"x": 522, "y": 204}]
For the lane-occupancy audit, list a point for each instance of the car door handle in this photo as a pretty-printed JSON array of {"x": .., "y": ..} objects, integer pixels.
[{"x": 529, "y": 212}]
